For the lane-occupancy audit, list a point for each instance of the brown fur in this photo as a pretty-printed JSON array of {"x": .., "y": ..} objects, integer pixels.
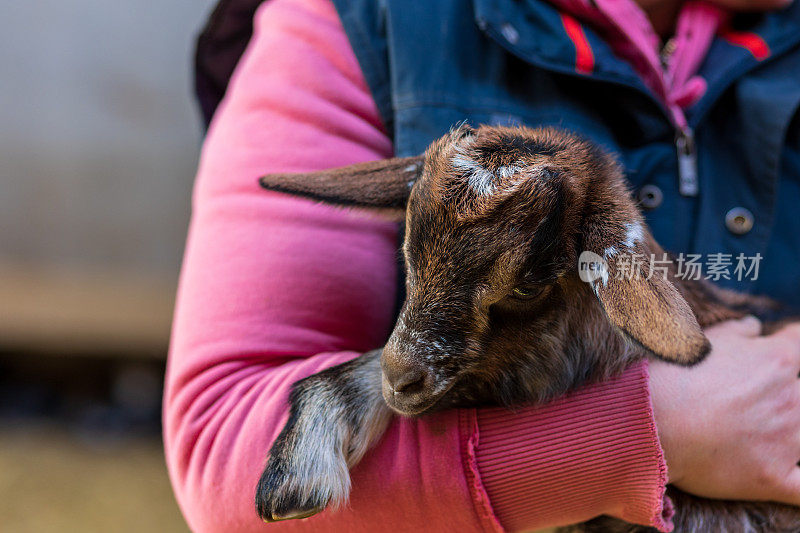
[
  {"x": 496, "y": 312},
  {"x": 387, "y": 183}
]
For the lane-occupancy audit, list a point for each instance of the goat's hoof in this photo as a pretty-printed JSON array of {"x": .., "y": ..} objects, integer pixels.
[
  {"x": 291, "y": 490},
  {"x": 280, "y": 497},
  {"x": 294, "y": 514},
  {"x": 276, "y": 503}
]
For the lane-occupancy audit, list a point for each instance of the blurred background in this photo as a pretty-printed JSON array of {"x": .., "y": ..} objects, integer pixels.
[{"x": 99, "y": 138}]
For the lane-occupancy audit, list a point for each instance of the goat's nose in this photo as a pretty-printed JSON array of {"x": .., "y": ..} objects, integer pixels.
[
  {"x": 408, "y": 388},
  {"x": 406, "y": 381},
  {"x": 404, "y": 378}
]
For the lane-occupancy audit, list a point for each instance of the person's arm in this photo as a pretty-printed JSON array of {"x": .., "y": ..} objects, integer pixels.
[{"x": 275, "y": 288}]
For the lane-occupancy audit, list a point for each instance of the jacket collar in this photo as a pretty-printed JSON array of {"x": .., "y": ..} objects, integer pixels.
[{"x": 537, "y": 32}]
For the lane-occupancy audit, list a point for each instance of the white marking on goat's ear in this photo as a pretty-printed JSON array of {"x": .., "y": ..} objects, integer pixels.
[
  {"x": 411, "y": 168},
  {"x": 633, "y": 234},
  {"x": 611, "y": 251}
]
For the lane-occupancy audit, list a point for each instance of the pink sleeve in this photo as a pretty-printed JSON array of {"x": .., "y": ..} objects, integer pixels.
[{"x": 275, "y": 288}]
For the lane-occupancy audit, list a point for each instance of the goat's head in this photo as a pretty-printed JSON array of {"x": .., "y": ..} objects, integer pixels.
[{"x": 495, "y": 221}]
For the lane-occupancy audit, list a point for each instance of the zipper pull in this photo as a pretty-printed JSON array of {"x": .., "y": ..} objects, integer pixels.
[{"x": 687, "y": 162}]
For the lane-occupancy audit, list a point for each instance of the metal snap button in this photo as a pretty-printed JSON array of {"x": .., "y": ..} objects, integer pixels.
[
  {"x": 510, "y": 33},
  {"x": 650, "y": 196},
  {"x": 739, "y": 220}
]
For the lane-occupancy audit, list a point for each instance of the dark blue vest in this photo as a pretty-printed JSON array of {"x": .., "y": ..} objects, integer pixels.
[{"x": 431, "y": 64}]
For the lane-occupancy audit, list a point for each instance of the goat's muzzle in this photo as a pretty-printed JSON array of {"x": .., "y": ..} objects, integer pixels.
[{"x": 409, "y": 387}]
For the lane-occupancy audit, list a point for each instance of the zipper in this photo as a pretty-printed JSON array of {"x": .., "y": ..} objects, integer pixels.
[
  {"x": 685, "y": 147},
  {"x": 687, "y": 162}
]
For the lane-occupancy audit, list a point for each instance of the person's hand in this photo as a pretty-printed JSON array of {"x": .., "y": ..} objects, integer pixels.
[{"x": 730, "y": 426}]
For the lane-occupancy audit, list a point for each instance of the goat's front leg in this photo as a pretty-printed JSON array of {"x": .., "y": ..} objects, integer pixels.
[{"x": 335, "y": 417}]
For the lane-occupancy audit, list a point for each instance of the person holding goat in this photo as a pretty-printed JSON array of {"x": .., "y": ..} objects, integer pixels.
[{"x": 276, "y": 288}]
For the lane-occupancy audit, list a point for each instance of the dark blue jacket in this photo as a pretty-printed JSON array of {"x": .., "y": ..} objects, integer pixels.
[{"x": 431, "y": 64}]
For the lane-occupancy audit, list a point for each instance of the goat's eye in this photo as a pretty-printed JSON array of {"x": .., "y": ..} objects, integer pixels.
[{"x": 526, "y": 292}]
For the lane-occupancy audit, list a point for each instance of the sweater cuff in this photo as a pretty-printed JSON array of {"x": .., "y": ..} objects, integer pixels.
[{"x": 592, "y": 452}]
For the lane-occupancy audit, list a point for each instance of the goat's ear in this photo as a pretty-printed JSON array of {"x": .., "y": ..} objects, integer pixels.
[
  {"x": 375, "y": 184},
  {"x": 646, "y": 307}
]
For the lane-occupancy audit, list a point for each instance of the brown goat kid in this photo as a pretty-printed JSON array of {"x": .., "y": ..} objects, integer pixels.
[{"x": 496, "y": 311}]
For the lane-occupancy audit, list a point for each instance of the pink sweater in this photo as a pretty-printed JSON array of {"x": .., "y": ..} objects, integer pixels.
[{"x": 275, "y": 288}]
